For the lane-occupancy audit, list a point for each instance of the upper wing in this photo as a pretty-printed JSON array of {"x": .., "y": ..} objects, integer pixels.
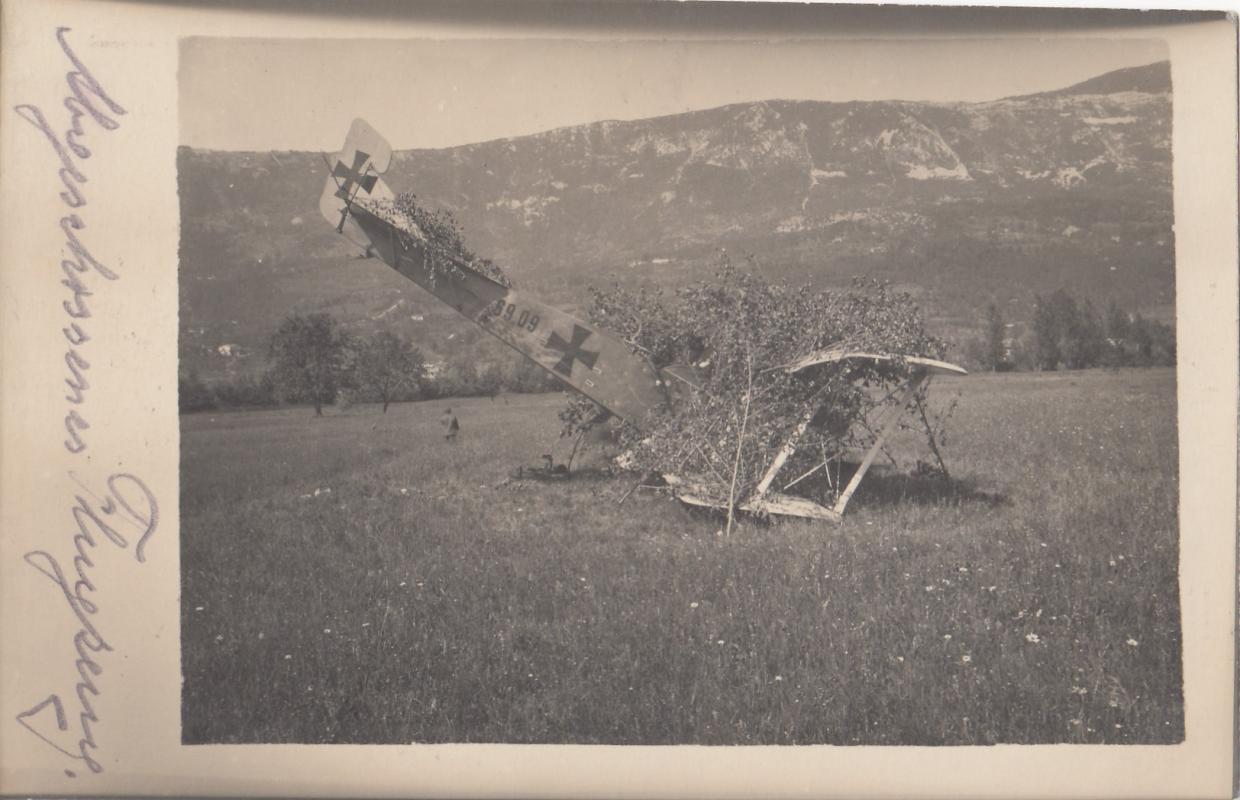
[{"x": 829, "y": 355}]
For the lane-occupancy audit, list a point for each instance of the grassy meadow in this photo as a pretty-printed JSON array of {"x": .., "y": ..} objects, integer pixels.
[{"x": 355, "y": 578}]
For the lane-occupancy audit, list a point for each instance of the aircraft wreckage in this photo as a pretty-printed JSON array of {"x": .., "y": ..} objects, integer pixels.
[{"x": 615, "y": 373}]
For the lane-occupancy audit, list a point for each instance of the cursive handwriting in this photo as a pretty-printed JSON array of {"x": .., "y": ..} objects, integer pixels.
[
  {"x": 127, "y": 511},
  {"x": 85, "y": 100},
  {"x": 126, "y": 515}
]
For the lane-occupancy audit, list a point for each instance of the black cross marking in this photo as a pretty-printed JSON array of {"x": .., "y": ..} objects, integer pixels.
[
  {"x": 573, "y": 351},
  {"x": 354, "y": 176}
]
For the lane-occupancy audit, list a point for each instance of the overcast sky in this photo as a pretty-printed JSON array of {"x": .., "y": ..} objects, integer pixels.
[{"x": 301, "y": 94}]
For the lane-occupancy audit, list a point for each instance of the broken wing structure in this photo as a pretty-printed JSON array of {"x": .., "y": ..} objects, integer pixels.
[
  {"x": 763, "y": 499},
  {"x": 599, "y": 365}
]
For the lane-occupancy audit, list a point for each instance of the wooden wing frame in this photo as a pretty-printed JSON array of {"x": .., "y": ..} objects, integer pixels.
[{"x": 764, "y": 500}]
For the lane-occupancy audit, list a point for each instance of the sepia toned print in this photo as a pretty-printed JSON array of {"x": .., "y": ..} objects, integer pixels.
[{"x": 396, "y": 528}]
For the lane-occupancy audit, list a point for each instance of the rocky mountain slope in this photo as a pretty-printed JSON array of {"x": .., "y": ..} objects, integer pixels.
[{"x": 963, "y": 203}]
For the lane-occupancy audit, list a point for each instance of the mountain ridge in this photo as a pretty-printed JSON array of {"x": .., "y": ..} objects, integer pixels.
[
  {"x": 962, "y": 203},
  {"x": 1153, "y": 78}
]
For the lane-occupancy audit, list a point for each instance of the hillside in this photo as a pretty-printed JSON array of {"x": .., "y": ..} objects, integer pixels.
[
  {"x": 962, "y": 203},
  {"x": 1151, "y": 78}
]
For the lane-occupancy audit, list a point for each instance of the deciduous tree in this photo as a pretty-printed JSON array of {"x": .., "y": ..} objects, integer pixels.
[
  {"x": 1086, "y": 342},
  {"x": 388, "y": 365},
  {"x": 1046, "y": 335},
  {"x": 309, "y": 359},
  {"x": 996, "y": 349}
]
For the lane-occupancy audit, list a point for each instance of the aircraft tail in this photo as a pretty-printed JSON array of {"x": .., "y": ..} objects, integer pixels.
[
  {"x": 361, "y": 207},
  {"x": 355, "y": 174}
]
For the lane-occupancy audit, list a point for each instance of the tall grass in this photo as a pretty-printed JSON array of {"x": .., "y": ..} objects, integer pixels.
[{"x": 417, "y": 601}]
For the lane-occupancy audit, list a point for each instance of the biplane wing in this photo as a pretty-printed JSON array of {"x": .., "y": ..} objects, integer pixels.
[
  {"x": 361, "y": 207},
  {"x": 766, "y": 501},
  {"x": 834, "y": 355},
  {"x": 921, "y": 371}
]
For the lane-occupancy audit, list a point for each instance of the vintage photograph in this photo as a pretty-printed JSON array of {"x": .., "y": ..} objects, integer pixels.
[{"x": 658, "y": 392}]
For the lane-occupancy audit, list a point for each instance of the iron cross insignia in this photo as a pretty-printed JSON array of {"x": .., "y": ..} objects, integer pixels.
[
  {"x": 572, "y": 350},
  {"x": 354, "y": 175}
]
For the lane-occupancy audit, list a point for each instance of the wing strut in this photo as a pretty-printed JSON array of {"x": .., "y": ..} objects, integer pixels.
[
  {"x": 787, "y": 450},
  {"x": 915, "y": 383}
]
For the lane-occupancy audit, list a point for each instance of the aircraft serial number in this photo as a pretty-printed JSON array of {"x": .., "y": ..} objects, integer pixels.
[{"x": 523, "y": 319}]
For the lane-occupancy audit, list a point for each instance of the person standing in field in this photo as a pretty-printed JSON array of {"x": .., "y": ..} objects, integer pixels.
[{"x": 450, "y": 425}]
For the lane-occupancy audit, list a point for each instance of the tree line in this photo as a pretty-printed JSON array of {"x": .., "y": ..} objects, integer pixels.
[
  {"x": 313, "y": 361},
  {"x": 1067, "y": 334}
]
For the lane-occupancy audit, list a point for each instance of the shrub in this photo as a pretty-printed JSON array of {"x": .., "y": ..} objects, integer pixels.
[{"x": 734, "y": 334}]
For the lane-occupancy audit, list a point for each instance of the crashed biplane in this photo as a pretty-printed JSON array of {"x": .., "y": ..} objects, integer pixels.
[{"x": 602, "y": 366}]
